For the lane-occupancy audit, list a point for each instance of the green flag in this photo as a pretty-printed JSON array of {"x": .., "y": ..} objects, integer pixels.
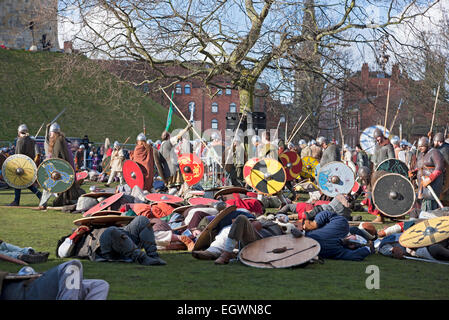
[{"x": 170, "y": 113}]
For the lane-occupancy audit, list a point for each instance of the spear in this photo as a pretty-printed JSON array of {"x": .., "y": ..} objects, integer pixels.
[
  {"x": 386, "y": 111},
  {"x": 294, "y": 128},
  {"x": 435, "y": 108},
  {"x": 396, "y": 115},
  {"x": 297, "y": 130}
]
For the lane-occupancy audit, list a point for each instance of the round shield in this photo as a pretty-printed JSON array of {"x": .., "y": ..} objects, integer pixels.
[
  {"x": 268, "y": 176},
  {"x": 205, "y": 201},
  {"x": 317, "y": 169},
  {"x": 247, "y": 169},
  {"x": 106, "y": 213},
  {"x": 106, "y": 203},
  {"x": 308, "y": 167},
  {"x": 425, "y": 233},
  {"x": 55, "y": 175},
  {"x": 393, "y": 195},
  {"x": 132, "y": 173},
  {"x": 207, "y": 235},
  {"x": 292, "y": 164},
  {"x": 393, "y": 166},
  {"x": 230, "y": 190},
  {"x": 192, "y": 168},
  {"x": 19, "y": 171},
  {"x": 98, "y": 194},
  {"x": 356, "y": 187},
  {"x": 105, "y": 164},
  {"x": 82, "y": 175},
  {"x": 335, "y": 178},
  {"x": 283, "y": 251},
  {"x": 109, "y": 220},
  {"x": 367, "y": 141},
  {"x": 2, "y": 160},
  {"x": 162, "y": 197}
]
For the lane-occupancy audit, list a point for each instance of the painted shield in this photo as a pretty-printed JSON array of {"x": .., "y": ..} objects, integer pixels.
[
  {"x": 162, "y": 197},
  {"x": 247, "y": 169},
  {"x": 355, "y": 187},
  {"x": 207, "y": 235},
  {"x": 109, "y": 220},
  {"x": 268, "y": 176},
  {"x": 308, "y": 167},
  {"x": 133, "y": 174},
  {"x": 192, "y": 168},
  {"x": 19, "y": 171},
  {"x": 55, "y": 175},
  {"x": 82, "y": 175},
  {"x": 230, "y": 190},
  {"x": 393, "y": 195},
  {"x": 283, "y": 251},
  {"x": 204, "y": 201},
  {"x": 106, "y": 203},
  {"x": 393, "y": 166},
  {"x": 426, "y": 233},
  {"x": 292, "y": 164},
  {"x": 2, "y": 160},
  {"x": 106, "y": 213},
  {"x": 367, "y": 141},
  {"x": 105, "y": 164},
  {"x": 335, "y": 178}
]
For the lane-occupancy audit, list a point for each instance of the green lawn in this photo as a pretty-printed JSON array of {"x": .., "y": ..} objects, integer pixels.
[{"x": 185, "y": 278}]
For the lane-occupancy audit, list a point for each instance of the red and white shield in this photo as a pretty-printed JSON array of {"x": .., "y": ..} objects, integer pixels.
[{"x": 192, "y": 168}]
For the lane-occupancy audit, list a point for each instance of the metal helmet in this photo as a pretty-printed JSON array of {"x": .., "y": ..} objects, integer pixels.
[
  {"x": 158, "y": 142},
  {"x": 309, "y": 143},
  {"x": 214, "y": 136},
  {"x": 302, "y": 141},
  {"x": 321, "y": 140},
  {"x": 395, "y": 140},
  {"x": 55, "y": 127},
  {"x": 364, "y": 172},
  {"x": 149, "y": 141},
  {"x": 141, "y": 137},
  {"x": 377, "y": 133},
  {"x": 423, "y": 142},
  {"x": 439, "y": 137},
  {"x": 255, "y": 139},
  {"x": 403, "y": 143},
  {"x": 313, "y": 141},
  {"x": 290, "y": 145},
  {"x": 116, "y": 144},
  {"x": 82, "y": 146},
  {"x": 22, "y": 128},
  {"x": 346, "y": 147}
]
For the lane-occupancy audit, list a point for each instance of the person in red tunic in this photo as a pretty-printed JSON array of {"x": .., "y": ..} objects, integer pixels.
[{"x": 143, "y": 155}]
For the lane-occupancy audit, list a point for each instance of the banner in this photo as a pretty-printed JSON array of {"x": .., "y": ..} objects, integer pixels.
[{"x": 170, "y": 113}]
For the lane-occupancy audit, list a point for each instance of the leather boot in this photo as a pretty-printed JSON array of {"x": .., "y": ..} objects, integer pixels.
[{"x": 225, "y": 257}]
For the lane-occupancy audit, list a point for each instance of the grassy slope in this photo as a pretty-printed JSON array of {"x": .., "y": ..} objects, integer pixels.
[
  {"x": 35, "y": 87},
  {"x": 187, "y": 278}
]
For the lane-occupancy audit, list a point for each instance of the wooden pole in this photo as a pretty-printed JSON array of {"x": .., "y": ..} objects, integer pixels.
[
  {"x": 386, "y": 110},
  {"x": 294, "y": 128},
  {"x": 434, "y": 108},
  {"x": 342, "y": 138},
  {"x": 395, "y": 116},
  {"x": 297, "y": 130}
]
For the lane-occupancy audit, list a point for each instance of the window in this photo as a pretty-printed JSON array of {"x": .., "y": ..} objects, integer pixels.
[
  {"x": 233, "y": 107},
  {"x": 228, "y": 91},
  {"x": 178, "y": 89},
  {"x": 214, "y": 124},
  {"x": 187, "y": 89},
  {"x": 214, "y": 107},
  {"x": 219, "y": 92}
]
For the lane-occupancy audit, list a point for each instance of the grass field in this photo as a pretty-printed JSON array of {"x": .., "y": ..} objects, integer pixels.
[{"x": 185, "y": 278}]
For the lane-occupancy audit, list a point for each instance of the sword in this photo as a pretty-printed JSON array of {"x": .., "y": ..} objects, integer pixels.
[
  {"x": 435, "y": 196},
  {"x": 56, "y": 118},
  {"x": 426, "y": 260}
]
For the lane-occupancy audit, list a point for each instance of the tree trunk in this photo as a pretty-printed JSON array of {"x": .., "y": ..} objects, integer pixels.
[{"x": 246, "y": 96}]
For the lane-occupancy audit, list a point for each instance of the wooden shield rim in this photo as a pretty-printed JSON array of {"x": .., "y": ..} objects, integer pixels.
[
  {"x": 139, "y": 180},
  {"x": 205, "y": 237},
  {"x": 19, "y": 156},
  {"x": 106, "y": 213},
  {"x": 405, "y": 179},
  {"x": 247, "y": 164},
  {"x": 327, "y": 164},
  {"x": 108, "y": 219},
  {"x": 79, "y": 173},
  {"x": 195, "y": 160},
  {"x": 305, "y": 174},
  {"x": 389, "y": 159},
  {"x": 98, "y": 194},
  {"x": 181, "y": 209},
  {"x": 108, "y": 171},
  {"x": 425, "y": 224},
  {"x": 230, "y": 190},
  {"x": 163, "y": 200},
  {"x": 62, "y": 160},
  {"x": 282, "y": 168},
  {"x": 287, "y": 170},
  {"x": 313, "y": 245},
  {"x": 98, "y": 206}
]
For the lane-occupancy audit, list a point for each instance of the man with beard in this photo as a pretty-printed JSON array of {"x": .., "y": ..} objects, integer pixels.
[
  {"x": 383, "y": 149},
  {"x": 443, "y": 147},
  {"x": 143, "y": 155},
  {"x": 331, "y": 152}
]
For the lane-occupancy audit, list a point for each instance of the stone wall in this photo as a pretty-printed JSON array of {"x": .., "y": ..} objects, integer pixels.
[{"x": 16, "y": 17}]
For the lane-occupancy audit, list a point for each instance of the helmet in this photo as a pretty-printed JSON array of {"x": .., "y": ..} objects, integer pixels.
[
  {"x": 82, "y": 146},
  {"x": 116, "y": 144},
  {"x": 321, "y": 140},
  {"x": 313, "y": 141},
  {"x": 290, "y": 145},
  {"x": 403, "y": 143},
  {"x": 141, "y": 137},
  {"x": 302, "y": 141},
  {"x": 346, "y": 147},
  {"x": 149, "y": 141},
  {"x": 423, "y": 142},
  {"x": 158, "y": 142},
  {"x": 255, "y": 139},
  {"x": 364, "y": 172},
  {"x": 439, "y": 137},
  {"x": 22, "y": 128},
  {"x": 377, "y": 133},
  {"x": 55, "y": 127},
  {"x": 214, "y": 136},
  {"x": 395, "y": 140}
]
